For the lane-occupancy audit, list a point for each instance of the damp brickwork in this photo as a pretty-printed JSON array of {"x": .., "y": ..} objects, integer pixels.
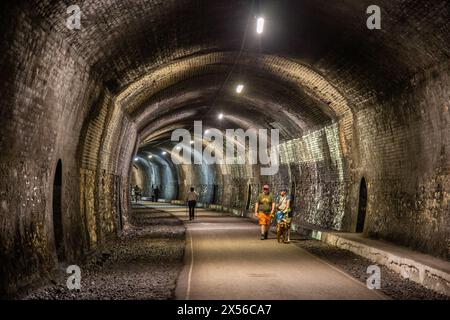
[{"x": 370, "y": 104}]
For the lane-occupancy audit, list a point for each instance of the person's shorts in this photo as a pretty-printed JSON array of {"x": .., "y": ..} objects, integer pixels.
[{"x": 264, "y": 219}]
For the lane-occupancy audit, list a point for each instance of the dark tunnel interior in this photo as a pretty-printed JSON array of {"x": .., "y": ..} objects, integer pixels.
[{"x": 363, "y": 118}]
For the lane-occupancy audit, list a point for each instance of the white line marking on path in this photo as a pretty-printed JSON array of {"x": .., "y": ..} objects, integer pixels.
[{"x": 188, "y": 291}]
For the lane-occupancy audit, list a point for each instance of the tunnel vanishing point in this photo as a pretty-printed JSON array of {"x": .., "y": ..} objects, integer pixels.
[{"x": 88, "y": 110}]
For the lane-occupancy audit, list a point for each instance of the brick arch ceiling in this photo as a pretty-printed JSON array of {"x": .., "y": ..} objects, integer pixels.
[
  {"x": 133, "y": 36},
  {"x": 261, "y": 99},
  {"x": 129, "y": 42},
  {"x": 124, "y": 39},
  {"x": 300, "y": 97}
]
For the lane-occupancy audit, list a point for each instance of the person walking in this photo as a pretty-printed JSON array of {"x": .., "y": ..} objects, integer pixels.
[
  {"x": 192, "y": 198},
  {"x": 137, "y": 193},
  {"x": 156, "y": 193},
  {"x": 153, "y": 193},
  {"x": 133, "y": 193},
  {"x": 283, "y": 218},
  {"x": 264, "y": 210}
]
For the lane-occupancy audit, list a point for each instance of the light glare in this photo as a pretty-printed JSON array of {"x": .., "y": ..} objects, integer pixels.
[
  {"x": 260, "y": 25},
  {"x": 239, "y": 88}
]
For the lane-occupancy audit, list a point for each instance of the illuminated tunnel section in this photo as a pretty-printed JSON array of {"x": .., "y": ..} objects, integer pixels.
[
  {"x": 368, "y": 108},
  {"x": 156, "y": 169}
]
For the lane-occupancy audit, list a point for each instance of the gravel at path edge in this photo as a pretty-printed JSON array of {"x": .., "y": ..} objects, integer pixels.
[{"x": 143, "y": 263}]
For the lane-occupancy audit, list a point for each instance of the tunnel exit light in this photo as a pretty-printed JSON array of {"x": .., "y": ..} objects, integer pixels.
[
  {"x": 239, "y": 88},
  {"x": 220, "y": 116},
  {"x": 260, "y": 25}
]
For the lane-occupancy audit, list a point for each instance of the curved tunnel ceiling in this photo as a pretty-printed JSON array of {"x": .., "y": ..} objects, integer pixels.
[
  {"x": 276, "y": 89},
  {"x": 261, "y": 95},
  {"x": 147, "y": 51},
  {"x": 132, "y": 37},
  {"x": 354, "y": 105}
]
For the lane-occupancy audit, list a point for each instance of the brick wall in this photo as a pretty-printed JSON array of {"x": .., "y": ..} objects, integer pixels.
[
  {"x": 403, "y": 148},
  {"x": 46, "y": 92},
  {"x": 54, "y": 107},
  {"x": 373, "y": 105}
]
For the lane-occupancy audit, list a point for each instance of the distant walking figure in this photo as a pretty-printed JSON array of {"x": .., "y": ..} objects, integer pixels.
[
  {"x": 192, "y": 198},
  {"x": 137, "y": 193},
  {"x": 264, "y": 210},
  {"x": 156, "y": 193},
  {"x": 133, "y": 193}
]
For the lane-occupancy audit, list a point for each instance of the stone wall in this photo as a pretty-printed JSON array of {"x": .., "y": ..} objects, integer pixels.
[
  {"x": 53, "y": 107},
  {"x": 403, "y": 153},
  {"x": 373, "y": 105},
  {"x": 45, "y": 96}
]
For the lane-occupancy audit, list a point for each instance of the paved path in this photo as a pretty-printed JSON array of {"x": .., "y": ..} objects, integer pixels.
[{"x": 225, "y": 259}]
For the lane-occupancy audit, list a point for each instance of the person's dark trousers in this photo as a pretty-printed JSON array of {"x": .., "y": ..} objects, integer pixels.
[{"x": 191, "y": 205}]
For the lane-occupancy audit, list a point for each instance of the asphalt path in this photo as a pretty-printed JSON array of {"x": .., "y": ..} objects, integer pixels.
[{"x": 225, "y": 259}]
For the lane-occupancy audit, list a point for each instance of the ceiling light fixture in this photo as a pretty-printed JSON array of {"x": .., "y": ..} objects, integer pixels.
[
  {"x": 260, "y": 25},
  {"x": 220, "y": 116}
]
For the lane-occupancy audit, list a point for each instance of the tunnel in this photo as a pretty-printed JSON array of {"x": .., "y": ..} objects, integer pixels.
[{"x": 93, "y": 91}]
